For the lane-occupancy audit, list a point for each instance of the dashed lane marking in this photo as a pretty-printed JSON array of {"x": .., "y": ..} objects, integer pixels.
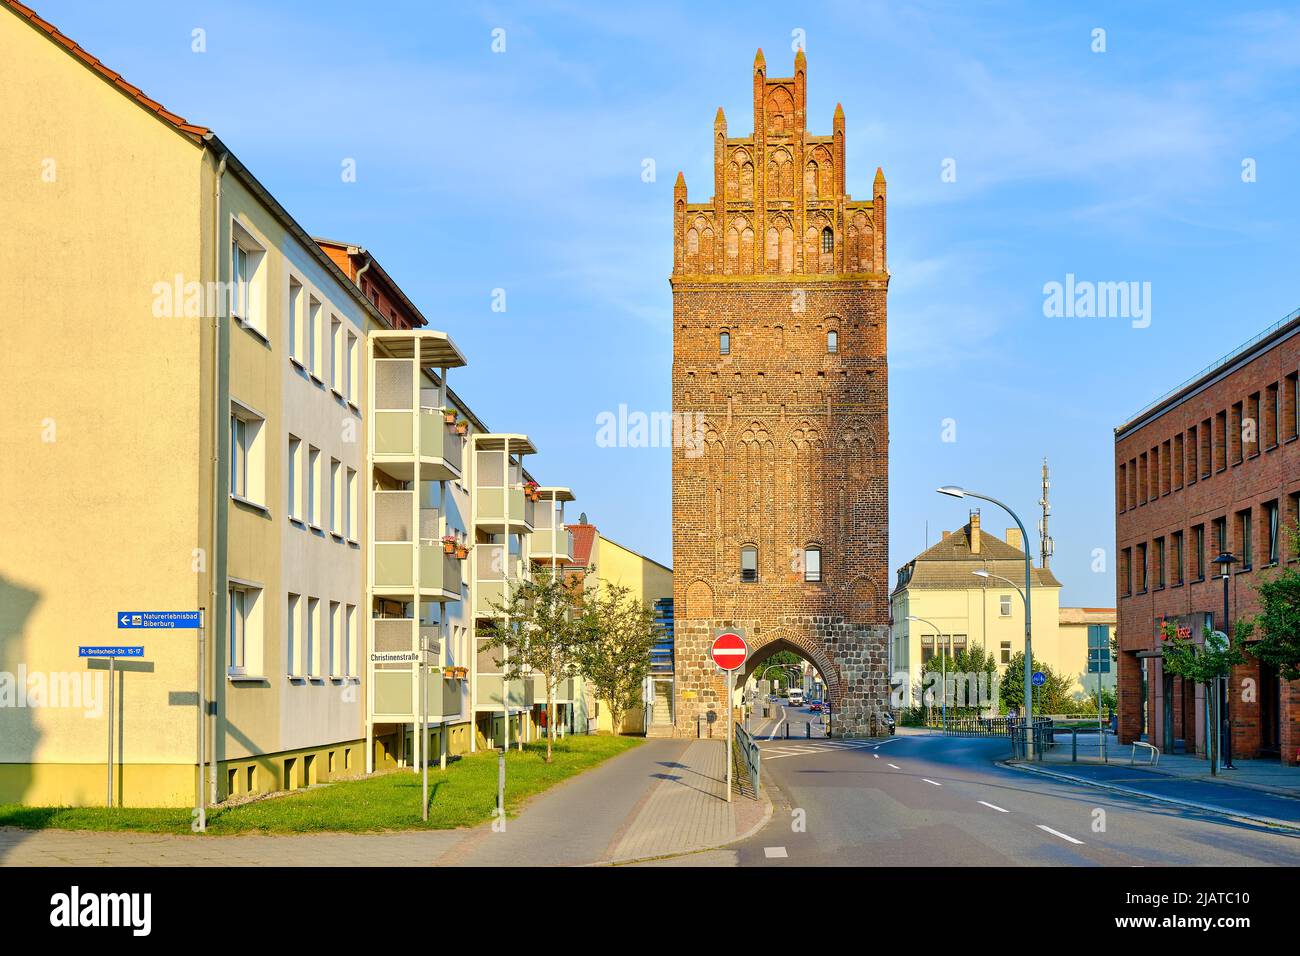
[
  {"x": 993, "y": 806},
  {"x": 775, "y": 852},
  {"x": 934, "y": 782},
  {"x": 1063, "y": 836}
]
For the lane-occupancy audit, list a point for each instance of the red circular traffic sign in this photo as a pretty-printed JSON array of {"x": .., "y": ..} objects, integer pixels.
[{"x": 729, "y": 651}]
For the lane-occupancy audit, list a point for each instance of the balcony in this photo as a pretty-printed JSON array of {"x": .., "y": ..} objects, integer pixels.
[
  {"x": 407, "y": 424},
  {"x": 491, "y": 690},
  {"x": 500, "y": 505},
  {"x": 399, "y": 555},
  {"x": 395, "y": 684},
  {"x": 565, "y": 689},
  {"x": 494, "y": 569},
  {"x": 551, "y": 541}
]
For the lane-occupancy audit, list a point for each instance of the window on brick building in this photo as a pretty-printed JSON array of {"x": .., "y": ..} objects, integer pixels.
[
  {"x": 828, "y": 240},
  {"x": 1126, "y": 570},
  {"x": 812, "y": 564},
  {"x": 1176, "y": 557},
  {"x": 1220, "y": 535},
  {"x": 1244, "y": 532},
  {"x": 832, "y": 341},
  {"x": 1198, "y": 553},
  {"x": 1271, "y": 530},
  {"x": 1293, "y": 517},
  {"x": 1160, "y": 563},
  {"x": 1271, "y": 414},
  {"x": 724, "y": 343},
  {"x": 1290, "y": 413},
  {"x": 749, "y": 563},
  {"x": 1142, "y": 568}
]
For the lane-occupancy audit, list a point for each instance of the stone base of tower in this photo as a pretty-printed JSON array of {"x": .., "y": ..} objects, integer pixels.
[{"x": 852, "y": 658}]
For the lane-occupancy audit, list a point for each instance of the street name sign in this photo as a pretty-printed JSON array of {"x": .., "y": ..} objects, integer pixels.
[
  {"x": 159, "y": 620},
  {"x": 85, "y": 650}
]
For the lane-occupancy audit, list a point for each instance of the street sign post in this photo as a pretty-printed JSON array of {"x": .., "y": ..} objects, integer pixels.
[
  {"x": 729, "y": 652},
  {"x": 1039, "y": 679},
  {"x": 159, "y": 620}
]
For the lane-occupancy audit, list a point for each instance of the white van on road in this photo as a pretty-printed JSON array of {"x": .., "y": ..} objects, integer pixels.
[{"x": 796, "y": 697}]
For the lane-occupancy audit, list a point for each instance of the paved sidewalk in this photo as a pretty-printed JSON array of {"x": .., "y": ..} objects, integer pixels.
[
  {"x": 1268, "y": 776},
  {"x": 1234, "y": 801},
  {"x": 659, "y": 799}
]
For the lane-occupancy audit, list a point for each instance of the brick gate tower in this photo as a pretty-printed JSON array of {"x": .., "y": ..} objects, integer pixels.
[{"x": 780, "y": 495}]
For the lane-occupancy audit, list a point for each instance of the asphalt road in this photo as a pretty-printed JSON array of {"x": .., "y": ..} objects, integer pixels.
[{"x": 920, "y": 800}]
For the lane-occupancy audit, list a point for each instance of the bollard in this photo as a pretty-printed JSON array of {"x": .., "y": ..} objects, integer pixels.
[
  {"x": 787, "y": 730},
  {"x": 1074, "y": 745},
  {"x": 807, "y": 729}
]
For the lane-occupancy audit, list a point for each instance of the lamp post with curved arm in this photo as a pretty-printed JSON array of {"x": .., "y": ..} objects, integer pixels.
[
  {"x": 943, "y": 659},
  {"x": 956, "y": 492}
]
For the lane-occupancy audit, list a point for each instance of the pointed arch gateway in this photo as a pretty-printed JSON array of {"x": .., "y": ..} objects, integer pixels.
[{"x": 800, "y": 642}]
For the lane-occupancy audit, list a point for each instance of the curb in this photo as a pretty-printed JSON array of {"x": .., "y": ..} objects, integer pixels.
[
  {"x": 675, "y": 854},
  {"x": 1130, "y": 791}
]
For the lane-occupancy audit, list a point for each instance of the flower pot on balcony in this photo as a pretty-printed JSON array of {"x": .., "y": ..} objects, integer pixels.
[
  {"x": 462, "y": 427},
  {"x": 448, "y": 545},
  {"x": 449, "y": 418},
  {"x": 462, "y": 553},
  {"x": 461, "y": 672},
  {"x": 449, "y": 673}
]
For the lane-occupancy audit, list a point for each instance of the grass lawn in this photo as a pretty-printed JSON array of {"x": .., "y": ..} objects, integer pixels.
[{"x": 462, "y": 795}]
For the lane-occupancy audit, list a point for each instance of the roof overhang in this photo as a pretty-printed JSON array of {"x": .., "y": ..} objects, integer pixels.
[
  {"x": 501, "y": 441},
  {"x": 432, "y": 349},
  {"x": 555, "y": 492}
]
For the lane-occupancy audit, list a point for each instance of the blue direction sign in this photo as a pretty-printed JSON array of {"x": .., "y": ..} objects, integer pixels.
[
  {"x": 107, "y": 651},
  {"x": 1039, "y": 679},
  {"x": 153, "y": 620}
]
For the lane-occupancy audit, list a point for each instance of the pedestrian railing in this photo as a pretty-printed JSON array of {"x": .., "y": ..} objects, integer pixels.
[
  {"x": 974, "y": 726},
  {"x": 750, "y": 758},
  {"x": 1150, "y": 751},
  {"x": 1018, "y": 731}
]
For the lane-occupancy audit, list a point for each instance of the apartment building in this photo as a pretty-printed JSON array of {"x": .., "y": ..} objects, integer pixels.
[
  {"x": 232, "y": 416},
  {"x": 967, "y": 591},
  {"x": 185, "y": 373},
  {"x": 1211, "y": 468}
]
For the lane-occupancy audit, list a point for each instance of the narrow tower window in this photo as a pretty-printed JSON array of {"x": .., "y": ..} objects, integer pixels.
[
  {"x": 749, "y": 563},
  {"x": 724, "y": 343},
  {"x": 832, "y": 341},
  {"x": 812, "y": 564},
  {"x": 828, "y": 240}
]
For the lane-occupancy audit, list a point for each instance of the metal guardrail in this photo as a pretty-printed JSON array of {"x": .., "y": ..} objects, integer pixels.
[
  {"x": 1044, "y": 736},
  {"x": 750, "y": 757},
  {"x": 1152, "y": 751}
]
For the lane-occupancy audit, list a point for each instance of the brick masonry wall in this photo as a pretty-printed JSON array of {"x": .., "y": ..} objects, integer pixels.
[
  {"x": 786, "y": 441},
  {"x": 1169, "y": 493}
]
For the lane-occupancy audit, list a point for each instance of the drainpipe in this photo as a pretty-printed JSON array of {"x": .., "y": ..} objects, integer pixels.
[{"x": 216, "y": 462}]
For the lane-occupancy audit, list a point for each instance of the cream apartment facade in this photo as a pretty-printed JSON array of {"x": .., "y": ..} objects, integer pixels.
[{"x": 209, "y": 409}]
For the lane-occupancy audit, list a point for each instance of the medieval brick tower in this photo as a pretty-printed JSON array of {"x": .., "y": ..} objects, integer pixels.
[{"x": 780, "y": 512}]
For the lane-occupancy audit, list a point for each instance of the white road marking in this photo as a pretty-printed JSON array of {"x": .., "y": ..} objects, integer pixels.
[
  {"x": 775, "y": 852},
  {"x": 896, "y": 766},
  {"x": 1043, "y": 826},
  {"x": 888, "y": 741},
  {"x": 993, "y": 806},
  {"x": 935, "y": 782},
  {"x": 877, "y": 756}
]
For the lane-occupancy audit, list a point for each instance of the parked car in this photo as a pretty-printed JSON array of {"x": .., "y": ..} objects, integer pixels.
[{"x": 816, "y": 706}]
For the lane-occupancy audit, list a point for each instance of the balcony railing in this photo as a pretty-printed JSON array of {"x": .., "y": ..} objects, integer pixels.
[
  {"x": 543, "y": 546},
  {"x": 395, "y": 423},
  {"x": 491, "y": 691},
  {"x": 491, "y": 506}
]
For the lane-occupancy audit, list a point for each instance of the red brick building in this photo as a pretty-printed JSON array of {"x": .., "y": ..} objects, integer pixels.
[
  {"x": 1214, "y": 466},
  {"x": 780, "y": 496}
]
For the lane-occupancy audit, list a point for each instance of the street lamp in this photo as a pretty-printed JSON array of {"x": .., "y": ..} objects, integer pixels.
[
  {"x": 957, "y": 492},
  {"x": 943, "y": 659},
  {"x": 1225, "y": 561}
]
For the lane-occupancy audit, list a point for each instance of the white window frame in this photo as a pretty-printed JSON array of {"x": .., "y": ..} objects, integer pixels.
[
  {"x": 353, "y": 367},
  {"x": 336, "y": 498},
  {"x": 292, "y": 636},
  {"x": 293, "y": 500},
  {"x": 295, "y": 312},
  {"x": 243, "y": 630},
  {"x": 336, "y": 640},
  {"x": 247, "y": 451},
  {"x": 1004, "y": 605},
  {"x": 809, "y": 575},
  {"x": 247, "y": 290},
  {"x": 337, "y": 356},
  {"x": 349, "y": 641},
  {"x": 350, "y": 506},
  {"x": 311, "y": 644},
  {"x": 315, "y": 309},
  {"x": 832, "y": 341},
  {"x": 313, "y": 486}
]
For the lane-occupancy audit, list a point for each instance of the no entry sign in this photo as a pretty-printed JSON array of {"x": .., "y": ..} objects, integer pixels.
[{"x": 729, "y": 651}]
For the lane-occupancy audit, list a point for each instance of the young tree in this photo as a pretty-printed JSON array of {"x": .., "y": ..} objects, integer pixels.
[
  {"x": 539, "y": 631},
  {"x": 1279, "y": 620},
  {"x": 1202, "y": 664},
  {"x": 615, "y": 658}
]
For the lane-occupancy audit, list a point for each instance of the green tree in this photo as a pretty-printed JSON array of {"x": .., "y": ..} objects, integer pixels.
[
  {"x": 1279, "y": 620},
  {"x": 615, "y": 652},
  {"x": 539, "y": 632},
  {"x": 1203, "y": 664},
  {"x": 1054, "y": 697}
]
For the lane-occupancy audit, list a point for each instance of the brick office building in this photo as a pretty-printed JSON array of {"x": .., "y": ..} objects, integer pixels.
[
  {"x": 1214, "y": 466},
  {"x": 780, "y": 509}
]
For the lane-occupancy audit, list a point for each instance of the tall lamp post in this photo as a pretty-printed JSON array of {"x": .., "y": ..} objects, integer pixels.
[
  {"x": 956, "y": 492},
  {"x": 943, "y": 658},
  {"x": 1225, "y": 561},
  {"x": 982, "y": 573}
]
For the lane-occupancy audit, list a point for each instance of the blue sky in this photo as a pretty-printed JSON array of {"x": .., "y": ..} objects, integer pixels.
[{"x": 522, "y": 170}]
